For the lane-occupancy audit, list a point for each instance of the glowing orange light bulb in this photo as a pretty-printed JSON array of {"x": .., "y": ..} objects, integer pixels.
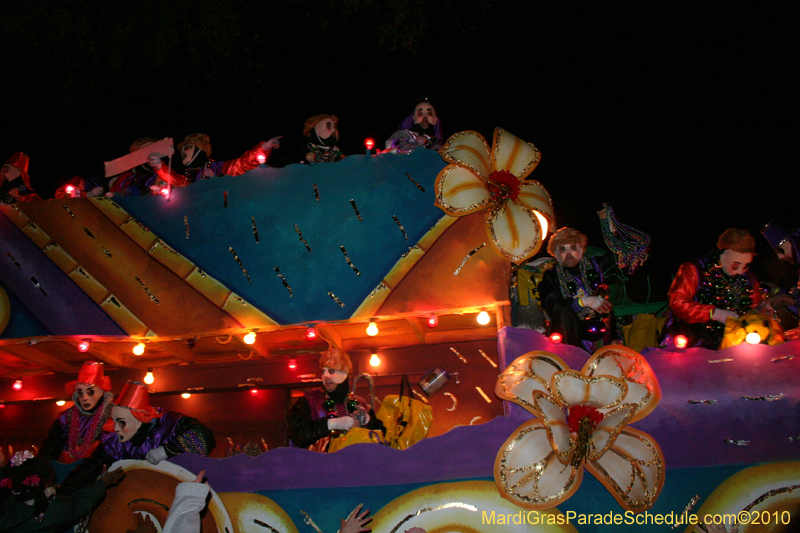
[
  {"x": 83, "y": 346},
  {"x": 17, "y": 385},
  {"x": 752, "y": 338},
  {"x": 556, "y": 337},
  {"x": 369, "y": 143},
  {"x": 372, "y": 329},
  {"x": 311, "y": 333},
  {"x": 254, "y": 391},
  {"x": 292, "y": 364},
  {"x": 261, "y": 157},
  {"x": 433, "y": 321}
]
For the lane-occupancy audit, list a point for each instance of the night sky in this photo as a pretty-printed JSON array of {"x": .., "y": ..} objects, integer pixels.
[{"x": 682, "y": 116}]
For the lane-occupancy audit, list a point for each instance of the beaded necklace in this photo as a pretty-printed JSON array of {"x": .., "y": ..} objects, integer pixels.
[
  {"x": 78, "y": 445},
  {"x": 330, "y": 406},
  {"x": 572, "y": 287}
]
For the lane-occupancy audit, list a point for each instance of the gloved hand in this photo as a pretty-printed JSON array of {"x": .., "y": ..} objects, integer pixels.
[
  {"x": 156, "y": 455},
  {"x": 343, "y": 423},
  {"x": 275, "y": 142},
  {"x": 722, "y": 315},
  {"x": 601, "y": 305}
]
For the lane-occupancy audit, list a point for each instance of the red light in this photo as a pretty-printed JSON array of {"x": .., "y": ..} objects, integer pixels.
[
  {"x": 17, "y": 385},
  {"x": 311, "y": 333},
  {"x": 165, "y": 192},
  {"x": 262, "y": 158},
  {"x": 556, "y": 338},
  {"x": 253, "y": 391},
  {"x": 433, "y": 321},
  {"x": 69, "y": 189},
  {"x": 292, "y": 364},
  {"x": 2, "y": 406},
  {"x": 369, "y": 143},
  {"x": 681, "y": 341},
  {"x": 83, "y": 346}
]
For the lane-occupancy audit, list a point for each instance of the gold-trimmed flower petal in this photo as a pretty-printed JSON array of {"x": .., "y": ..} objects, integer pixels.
[
  {"x": 533, "y": 196},
  {"x": 632, "y": 470},
  {"x": 609, "y": 428},
  {"x": 555, "y": 421},
  {"x": 528, "y": 473},
  {"x": 460, "y": 192},
  {"x": 511, "y": 153},
  {"x": 515, "y": 233},
  {"x": 573, "y": 388},
  {"x": 469, "y": 149},
  {"x": 628, "y": 365},
  {"x": 528, "y": 373}
]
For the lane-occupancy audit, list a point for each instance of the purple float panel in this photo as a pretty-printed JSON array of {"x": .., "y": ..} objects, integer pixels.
[
  {"x": 62, "y": 307},
  {"x": 466, "y": 452},
  {"x": 749, "y": 408}
]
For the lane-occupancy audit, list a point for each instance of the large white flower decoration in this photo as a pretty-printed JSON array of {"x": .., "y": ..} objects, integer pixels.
[
  {"x": 518, "y": 210},
  {"x": 581, "y": 420}
]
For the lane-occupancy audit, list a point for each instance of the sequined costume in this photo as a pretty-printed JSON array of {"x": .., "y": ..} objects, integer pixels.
[
  {"x": 76, "y": 433},
  {"x": 17, "y": 190},
  {"x": 176, "y": 432},
  {"x": 699, "y": 288},
  {"x": 215, "y": 169},
  {"x": 408, "y": 124},
  {"x": 561, "y": 289},
  {"x": 308, "y": 418},
  {"x": 320, "y": 153},
  {"x": 133, "y": 183}
]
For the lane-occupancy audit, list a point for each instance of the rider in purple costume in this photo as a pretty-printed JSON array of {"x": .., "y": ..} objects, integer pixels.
[
  {"x": 78, "y": 430},
  {"x": 321, "y": 413},
  {"x": 143, "y": 432}
]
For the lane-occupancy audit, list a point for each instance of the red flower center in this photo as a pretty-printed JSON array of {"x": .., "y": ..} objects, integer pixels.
[
  {"x": 503, "y": 185},
  {"x": 580, "y": 413}
]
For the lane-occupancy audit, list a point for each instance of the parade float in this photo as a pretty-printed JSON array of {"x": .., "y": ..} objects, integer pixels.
[{"x": 222, "y": 294}]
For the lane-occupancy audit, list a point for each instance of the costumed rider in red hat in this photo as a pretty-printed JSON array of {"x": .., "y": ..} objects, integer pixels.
[
  {"x": 706, "y": 293},
  {"x": 143, "y": 432},
  {"x": 15, "y": 183},
  {"x": 78, "y": 430},
  {"x": 324, "y": 412},
  {"x": 195, "y": 152}
]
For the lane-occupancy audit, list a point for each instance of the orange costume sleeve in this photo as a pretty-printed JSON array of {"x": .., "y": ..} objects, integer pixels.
[
  {"x": 248, "y": 161},
  {"x": 681, "y": 296}
]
